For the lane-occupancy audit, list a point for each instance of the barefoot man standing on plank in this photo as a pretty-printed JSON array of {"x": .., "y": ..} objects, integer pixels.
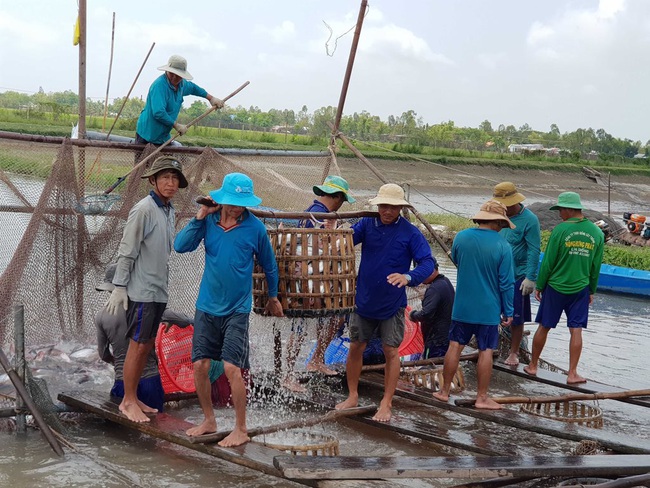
[{"x": 567, "y": 280}]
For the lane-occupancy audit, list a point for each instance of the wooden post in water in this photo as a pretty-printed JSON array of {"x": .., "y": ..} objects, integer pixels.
[{"x": 19, "y": 363}]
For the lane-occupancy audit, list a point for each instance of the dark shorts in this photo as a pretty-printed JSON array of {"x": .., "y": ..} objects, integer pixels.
[
  {"x": 391, "y": 330},
  {"x": 487, "y": 336},
  {"x": 521, "y": 304},
  {"x": 144, "y": 319},
  {"x": 437, "y": 351},
  {"x": 221, "y": 338},
  {"x": 150, "y": 391},
  {"x": 576, "y": 307}
]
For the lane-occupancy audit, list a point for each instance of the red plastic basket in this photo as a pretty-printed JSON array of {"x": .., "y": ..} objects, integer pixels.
[
  {"x": 413, "y": 343},
  {"x": 174, "y": 349}
]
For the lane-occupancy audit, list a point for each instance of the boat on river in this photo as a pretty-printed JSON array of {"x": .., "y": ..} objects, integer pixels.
[{"x": 617, "y": 279}]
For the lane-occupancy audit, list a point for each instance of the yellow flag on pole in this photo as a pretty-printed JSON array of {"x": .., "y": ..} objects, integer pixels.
[{"x": 76, "y": 35}]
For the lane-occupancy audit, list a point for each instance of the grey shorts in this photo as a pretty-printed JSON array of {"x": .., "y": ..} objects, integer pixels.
[
  {"x": 221, "y": 338},
  {"x": 390, "y": 330}
]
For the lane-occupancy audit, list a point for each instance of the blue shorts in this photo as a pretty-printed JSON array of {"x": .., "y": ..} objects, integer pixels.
[
  {"x": 575, "y": 305},
  {"x": 150, "y": 391},
  {"x": 487, "y": 336},
  {"x": 390, "y": 330},
  {"x": 221, "y": 338},
  {"x": 521, "y": 304},
  {"x": 143, "y": 319}
]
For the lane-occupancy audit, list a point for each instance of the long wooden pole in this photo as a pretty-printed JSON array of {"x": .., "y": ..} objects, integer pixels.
[
  {"x": 82, "y": 70},
  {"x": 561, "y": 398},
  {"x": 473, "y": 356},
  {"x": 110, "y": 68},
  {"x": 291, "y": 424}
]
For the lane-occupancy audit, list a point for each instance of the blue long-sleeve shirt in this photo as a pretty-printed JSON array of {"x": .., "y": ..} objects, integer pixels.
[
  {"x": 227, "y": 283},
  {"x": 485, "y": 279},
  {"x": 387, "y": 249},
  {"x": 162, "y": 107},
  {"x": 525, "y": 241}
]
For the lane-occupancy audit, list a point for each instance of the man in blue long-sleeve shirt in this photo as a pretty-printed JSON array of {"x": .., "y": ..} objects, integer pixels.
[
  {"x": 233, "y": 237},
  {"x": 484, "y": 289},
  {"x": 389, "y": 244}
]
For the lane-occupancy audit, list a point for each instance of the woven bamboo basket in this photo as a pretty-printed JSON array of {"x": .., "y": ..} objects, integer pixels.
[
  {"x": 567, "y": 411},
  {"x": 431, "y": 379},
  {"x": 304, "y": 444},
  {"x": 316, "y": 269}
]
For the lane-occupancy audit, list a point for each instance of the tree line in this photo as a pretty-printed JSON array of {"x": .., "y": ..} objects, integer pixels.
[{"x": 408, "y": 131}]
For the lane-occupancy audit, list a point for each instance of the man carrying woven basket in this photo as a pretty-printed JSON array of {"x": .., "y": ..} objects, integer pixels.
[{"x": 389, "y": 243}]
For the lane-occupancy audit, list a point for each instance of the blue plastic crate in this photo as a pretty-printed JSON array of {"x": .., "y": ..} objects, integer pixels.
[{"x": 336, "y": 352}]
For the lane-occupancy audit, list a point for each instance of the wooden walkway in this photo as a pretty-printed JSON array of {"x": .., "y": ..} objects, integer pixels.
[{"x": 466, "y": 467}]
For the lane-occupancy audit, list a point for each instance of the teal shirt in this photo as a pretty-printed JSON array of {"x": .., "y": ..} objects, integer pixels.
[{"x": 525, "y": 242}]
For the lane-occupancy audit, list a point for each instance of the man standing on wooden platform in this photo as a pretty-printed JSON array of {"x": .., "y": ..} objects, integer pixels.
[
  {"x": 389, "y": 244},
  {"x": 233, "y": 238},
  {"x": 484, "y": 290},
  {"x": 567, "y": 280},
  {"x": 525, "y": 242}
]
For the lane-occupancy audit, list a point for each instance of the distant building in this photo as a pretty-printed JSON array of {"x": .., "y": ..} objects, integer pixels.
[{"x": 521, "y": 148}]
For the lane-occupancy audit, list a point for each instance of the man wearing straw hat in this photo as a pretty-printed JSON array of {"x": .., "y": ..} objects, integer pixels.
[
  {"x": 164, "y": 102},
  {"x": 389, "y": 243},
  {"x": 484, "y": 290},
  {"x": 525, "y": 242},
  {"x": 142, "y": 275},
  {"x": 233, "y": 238},
  {"x": 567, "y": 281}
]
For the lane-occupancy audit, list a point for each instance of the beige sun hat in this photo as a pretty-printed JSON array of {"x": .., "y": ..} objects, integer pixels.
[
  {"x": 389, "y": 194},
  {"x": 493, "y": 210},
  {"x": 177, "y": 65},
  {"x": 506, "y": 193}
]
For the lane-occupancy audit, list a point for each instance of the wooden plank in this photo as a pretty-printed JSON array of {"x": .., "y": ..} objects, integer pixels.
[
  {"x": 559, "y": 380},
  {"x": 172, "y": 429},
  {"x": 343, "y": 467},
  {"x": 562, "y": 430}
]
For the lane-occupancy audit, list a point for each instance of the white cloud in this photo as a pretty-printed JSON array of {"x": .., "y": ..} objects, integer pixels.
[
  {"x": 31, "y": 34},
  {"x": 284, "y": 32}
]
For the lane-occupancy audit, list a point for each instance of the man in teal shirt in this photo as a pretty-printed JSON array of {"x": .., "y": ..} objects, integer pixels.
[
  {"x": 525, "y": 242},
  {"x": 567, "y": 280}
]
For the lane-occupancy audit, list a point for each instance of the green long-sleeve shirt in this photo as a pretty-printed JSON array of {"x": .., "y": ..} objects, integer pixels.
[{"x": 573, "y": 257}]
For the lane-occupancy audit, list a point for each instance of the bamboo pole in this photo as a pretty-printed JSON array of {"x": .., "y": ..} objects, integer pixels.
[
  {"x": 110, "y": 68},
  {"x": 291, "y": 424},
  {"x": 561, "y": 398},
  {"x": 19, "y": 364},
  {"x": 473, "y": 356},
  {"x": 82, "y": 70}
]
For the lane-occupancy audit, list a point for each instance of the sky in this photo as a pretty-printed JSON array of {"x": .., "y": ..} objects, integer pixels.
[{"x": 573, "y": 63}]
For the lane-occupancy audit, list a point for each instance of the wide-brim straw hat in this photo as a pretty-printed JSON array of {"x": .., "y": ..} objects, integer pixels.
[
  {"x": 236, "y": 189},
  {"x": 506, "y": 193},
  {"x": 107, "y": 284},
  {"x": 568, "y": 199},
  {"x": 177, "y": 65},
  {"x": 334, "y": 184},
  {"x": 167, "y": 162},
  {"x": 389, "y": 194},
  {"x": 493, "y": 210}
]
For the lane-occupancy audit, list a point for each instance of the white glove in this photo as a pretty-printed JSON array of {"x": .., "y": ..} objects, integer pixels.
[
  {"x": 118, "y": 298},
  {"x": 180, "y": 128},
  {"x": 527, "y": 286},
  {"x": 216, "y": 102}
]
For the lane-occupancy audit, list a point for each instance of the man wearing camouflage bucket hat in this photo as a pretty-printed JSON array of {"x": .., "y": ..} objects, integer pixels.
[
  {"x": 484, "y": 290},
  {"x": 142, "y": 274}
]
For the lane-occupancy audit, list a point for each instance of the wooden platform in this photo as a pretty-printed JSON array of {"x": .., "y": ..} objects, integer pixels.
[
  {"x": 465, "y": 467},
  {"x": 561, "y": 430},
  {"x": 559, "y": 380}
]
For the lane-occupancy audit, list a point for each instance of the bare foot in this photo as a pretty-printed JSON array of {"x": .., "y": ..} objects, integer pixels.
[
  {"x": 146, "y": 408},
  {"x": 487, "y": 404},
  {"x": 383, "y": 414},
  {"x": 235, "y": 438},
  {"x": 292, "y": 384},
  {"x": 133, "y": 413},
  {"x": 513, "y": 360},
  {"x": 573, "y": 379},
  {"x": 531, "y": 370},
  {"x": 205, "y": 427},
  {"x": 320, "y": 368},
  {"x": 443, "y": 397},
  {"x": 348, "y": 403}
]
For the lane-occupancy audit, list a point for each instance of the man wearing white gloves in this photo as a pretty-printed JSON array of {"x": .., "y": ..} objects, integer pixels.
[
  {"x": 142, "y": 275},
  {"x": 525, "y": 241},
  {"x": 164, "y": 102}
]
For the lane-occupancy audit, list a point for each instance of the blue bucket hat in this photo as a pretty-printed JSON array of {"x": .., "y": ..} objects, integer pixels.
[
  {"x": 236, "y": 189},
  {"x": 568, "y": 199},
  {"x": 334, "y": 184}
]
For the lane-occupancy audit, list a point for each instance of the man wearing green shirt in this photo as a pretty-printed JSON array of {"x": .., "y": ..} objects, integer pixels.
[{"x": 567, "y": 280}]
